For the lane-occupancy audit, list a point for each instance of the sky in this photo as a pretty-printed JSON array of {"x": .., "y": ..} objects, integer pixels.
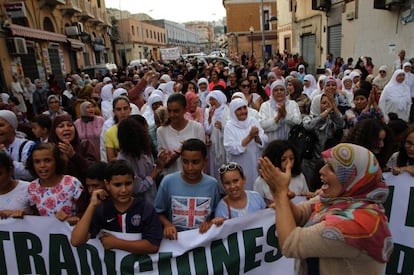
[{"x": 179, "y": 11}]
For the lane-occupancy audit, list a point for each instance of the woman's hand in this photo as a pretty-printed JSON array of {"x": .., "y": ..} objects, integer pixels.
[
  {"x": 277, "y": 180},
  {"x": 210, "y": 114},
  {"x": 218, "y": 125},
  {"x": 282, "y": 110},
  {"x": 254, "y": 131},
  {"x": 66, "y": 148}
]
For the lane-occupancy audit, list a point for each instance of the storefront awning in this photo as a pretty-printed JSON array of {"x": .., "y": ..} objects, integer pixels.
[
  {"x": 76, "y": 44},
  {"x": 18, "y": 30}
]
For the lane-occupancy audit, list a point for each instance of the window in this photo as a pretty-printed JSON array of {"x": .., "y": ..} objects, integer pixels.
[
  {"x": 266, "y": 20},
  {"x": 132, "y": 30}
]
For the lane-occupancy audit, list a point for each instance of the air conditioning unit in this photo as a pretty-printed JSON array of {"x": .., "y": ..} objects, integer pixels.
[
  {"x": 16, "y": 45},
  {"x": 74, "y": 30},
  {"x": 350, "y": 16},
  {"x": 322, "y": 5}
]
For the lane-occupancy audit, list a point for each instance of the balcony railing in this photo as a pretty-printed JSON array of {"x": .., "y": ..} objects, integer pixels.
[
  {"x": 97, "y": 12},
  {"x": 86, "y": 10}
]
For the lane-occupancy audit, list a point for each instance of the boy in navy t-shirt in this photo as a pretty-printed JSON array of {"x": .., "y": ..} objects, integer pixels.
[{"x": 115, "y": 209}]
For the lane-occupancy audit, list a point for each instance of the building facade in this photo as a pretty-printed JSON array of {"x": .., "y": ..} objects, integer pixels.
[
  {"x": 40, "y": 38},
  {"x": 351, "y": 28},
  {"x": 250, "y": 29}
]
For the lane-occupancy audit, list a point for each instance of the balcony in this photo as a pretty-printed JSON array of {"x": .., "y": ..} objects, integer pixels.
[
  {"x": 98, "y": 17},
  {"x": 70, "y": 7},
  {"x": 86, "y": 13},
  {"x": 51, "y": 3}
]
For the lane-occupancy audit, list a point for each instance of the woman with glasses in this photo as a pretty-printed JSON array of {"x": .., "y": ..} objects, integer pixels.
[
  {"x": 243, "y": 139},
  {"x": 238, "y": 202},
  {"x": 256, "y": 88},
  {"x": 252, "y": 99},
  {"x": 403, "y": 160},
  {"x": 279, "y": 114},
  {"x": 381, "y": 79},
  {"x": 55, "y": 109}
]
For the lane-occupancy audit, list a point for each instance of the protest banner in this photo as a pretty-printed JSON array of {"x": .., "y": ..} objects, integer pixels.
[
  {"x": 170, "y": 53},
  {"x": 41, "y": 245}
]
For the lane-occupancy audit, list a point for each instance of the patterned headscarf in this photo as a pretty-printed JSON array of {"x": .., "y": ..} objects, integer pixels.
[{"x": 357, "y": 216}]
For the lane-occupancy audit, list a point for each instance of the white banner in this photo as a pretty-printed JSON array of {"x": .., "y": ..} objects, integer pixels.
[
  {"x": 170, "y": 53},
  {"x": 41, "y": 245}
]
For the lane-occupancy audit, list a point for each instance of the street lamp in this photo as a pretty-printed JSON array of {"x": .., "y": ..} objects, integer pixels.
[{"x": 251, "y": 29}]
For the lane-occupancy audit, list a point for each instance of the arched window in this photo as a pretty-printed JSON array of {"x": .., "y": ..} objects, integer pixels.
[{"x": 48, "y": 25}]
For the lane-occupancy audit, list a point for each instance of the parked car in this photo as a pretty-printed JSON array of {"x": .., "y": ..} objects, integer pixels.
[
  {"x": 136, "y": 62},
  {"x": 92, "y": 70},
  {"x": 213, "y": 59}
]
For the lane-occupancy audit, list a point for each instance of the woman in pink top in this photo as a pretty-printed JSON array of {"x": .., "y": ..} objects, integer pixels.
[
  {"x": 89, "y": 126},
  {"x": 194, "y": 111}
]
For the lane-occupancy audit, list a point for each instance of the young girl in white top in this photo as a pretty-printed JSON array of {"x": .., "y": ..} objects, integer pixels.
[
  {"x": 238, "y": 202},
  {"x": 14, "y": 198},
  {"x": 280, "y": 152}
]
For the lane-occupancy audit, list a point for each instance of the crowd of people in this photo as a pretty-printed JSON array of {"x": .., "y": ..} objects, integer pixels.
[{"x": 161, "y": 138}]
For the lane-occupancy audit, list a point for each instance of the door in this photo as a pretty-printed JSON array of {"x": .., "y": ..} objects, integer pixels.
[
  {"x": 29, "y": 64},
  {"x": 55, "y": 66},
  {"x": 308, "y": 49},
  {"x": 334, "y": 40}
]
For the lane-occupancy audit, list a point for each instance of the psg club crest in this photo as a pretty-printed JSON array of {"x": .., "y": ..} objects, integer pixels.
[{"x": 136, "y": 220}]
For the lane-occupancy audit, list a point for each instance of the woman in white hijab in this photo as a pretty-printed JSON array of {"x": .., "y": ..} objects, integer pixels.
[
  {"x": 106, "y": 101},
  {"x": 153, "y": 103},
  {"x": 243, "y": 140},
  {"x": 203, "y": 91},
  {"x": 319, "y": 88},
  {"x": 396, "y": 97},
  {"x": 279, "y": 114},
  {"x": 381, "y": 79},
  {"x": 309, "y": 84},
  {"x": 409, "y": 77},
  {"x": 216, "y": 116},
  {"x": 252, "y": 112}
]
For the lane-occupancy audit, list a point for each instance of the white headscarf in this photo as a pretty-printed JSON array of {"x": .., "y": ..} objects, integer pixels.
[
  {"x": 273, "y": 102},
  {"x": 106, "y": 101},
  {"x": 147, "y": 92},
  {"x": 222, "y": 99},
  {"x": 203, "y": 94},
  {"x": 168, "y": 88},
  {"x": 397, "y": 91},
  {"x": 343, "y": 84},
  {"x": 234, "y": 105},
  {"x": 313, "y": 85},
  {"x": 315, "y": 110}
]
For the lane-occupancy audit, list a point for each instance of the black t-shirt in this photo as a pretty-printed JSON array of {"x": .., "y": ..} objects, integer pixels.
[
  {"x": 229, "y": 91},
  {"x": 139, "y": 218}
]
